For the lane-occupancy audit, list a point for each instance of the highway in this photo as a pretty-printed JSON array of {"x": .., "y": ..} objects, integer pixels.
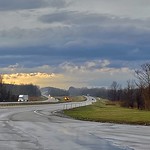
[{"x": 37, "y": 127}]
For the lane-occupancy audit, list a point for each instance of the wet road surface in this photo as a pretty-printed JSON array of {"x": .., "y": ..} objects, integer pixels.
[{"x": 38, "y": 128}]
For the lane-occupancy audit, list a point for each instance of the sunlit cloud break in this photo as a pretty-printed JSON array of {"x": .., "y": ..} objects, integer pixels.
[
  {"x": 89, "y": 73},
  {"x": 27, "y": 78}
]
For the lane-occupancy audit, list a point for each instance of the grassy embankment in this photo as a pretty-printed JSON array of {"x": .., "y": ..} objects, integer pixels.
[
  {"x": 104, "y": 111},
  {"x": 40, "y": 98},
  {"x": 71, "y": 99}
]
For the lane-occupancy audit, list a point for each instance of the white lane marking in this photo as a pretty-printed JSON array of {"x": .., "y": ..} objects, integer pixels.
[{"x": 36, "y": 112}]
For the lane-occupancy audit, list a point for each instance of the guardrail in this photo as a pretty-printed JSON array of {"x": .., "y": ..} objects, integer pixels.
[{"x": 76, "y": 104}]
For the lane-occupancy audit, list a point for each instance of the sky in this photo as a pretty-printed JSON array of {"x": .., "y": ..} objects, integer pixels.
[{"x": 80, "y": 43}]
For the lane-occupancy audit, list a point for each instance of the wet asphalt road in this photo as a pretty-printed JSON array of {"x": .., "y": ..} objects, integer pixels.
[{"x": 38, "y": 128}]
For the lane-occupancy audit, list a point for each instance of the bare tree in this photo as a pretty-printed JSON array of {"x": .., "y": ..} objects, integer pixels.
[
  {"x": 143, "y": 76},
  {"x": 130, "y": 93},
  {"x": 114, "y": 91}
]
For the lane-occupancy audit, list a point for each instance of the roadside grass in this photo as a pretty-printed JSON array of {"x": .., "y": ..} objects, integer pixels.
[
  {"x": 72, "y": 99},
  {"x": 106, "y": 111},
  {"x": 39, "y": 98},
  {"x": 78, "y": 98}
]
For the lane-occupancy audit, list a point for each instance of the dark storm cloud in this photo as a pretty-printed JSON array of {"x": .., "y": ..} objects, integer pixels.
[
  {"x": 86, "y": 18},
  {"x": 64, "y": 44},
  {"x": 57, "y": 3},
  {"x": 34, "y": 56},
  {"x": 20, "y": 4},
  {"x": 102, "y": 28},
  {"x": 72, "y": 17},
  {"x": 81, "y": 36},
  {"x": 29, "y": 4}
]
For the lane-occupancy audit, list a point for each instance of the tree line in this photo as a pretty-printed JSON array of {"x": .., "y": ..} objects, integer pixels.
[
  {"x": 10, "y": 92},
  {"x": 137, "y": 93}
]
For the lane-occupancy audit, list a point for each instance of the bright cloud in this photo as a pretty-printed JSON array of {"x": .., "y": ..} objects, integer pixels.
[
  {"x": 91, "y": 73},
  {"x": 30, "y": 78}
]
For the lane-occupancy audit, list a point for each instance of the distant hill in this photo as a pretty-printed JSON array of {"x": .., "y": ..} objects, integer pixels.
[
  {"x": 54, "y": 91},
  {"x": 99, "y": 92},
  {"x": 72, "y": 91}
]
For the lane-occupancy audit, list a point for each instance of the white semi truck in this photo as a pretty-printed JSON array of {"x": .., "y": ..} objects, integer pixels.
[{"x": 23, "y": 98}]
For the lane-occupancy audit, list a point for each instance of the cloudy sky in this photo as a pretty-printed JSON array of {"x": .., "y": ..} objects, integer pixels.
[{"x": 79, "y": 43}]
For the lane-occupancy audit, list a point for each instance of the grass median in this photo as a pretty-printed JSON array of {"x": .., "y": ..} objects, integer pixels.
[
  {"x": 72, "y": 99},
  {"x": 104, "y": 111}
]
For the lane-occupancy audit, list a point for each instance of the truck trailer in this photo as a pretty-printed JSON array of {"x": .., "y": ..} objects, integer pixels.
[{"x": 23, "y": 98}]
